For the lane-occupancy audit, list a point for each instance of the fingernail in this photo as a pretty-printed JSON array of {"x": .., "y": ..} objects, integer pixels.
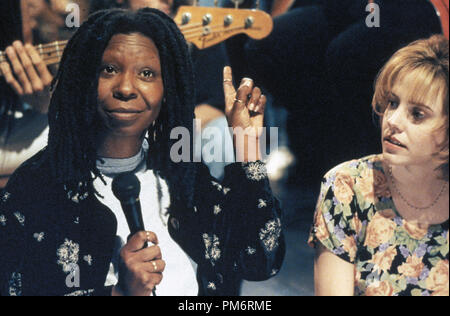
[{"x": 251, "y": 107}]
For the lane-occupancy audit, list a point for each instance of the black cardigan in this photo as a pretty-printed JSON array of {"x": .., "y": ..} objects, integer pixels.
[{"x": 232, "y": 233}]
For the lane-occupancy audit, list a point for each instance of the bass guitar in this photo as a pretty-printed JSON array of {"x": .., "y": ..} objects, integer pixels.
[{"x": 202, "y": 26}]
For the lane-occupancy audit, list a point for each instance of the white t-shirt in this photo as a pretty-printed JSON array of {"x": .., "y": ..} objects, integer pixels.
[{"x": 179, "y": 276}]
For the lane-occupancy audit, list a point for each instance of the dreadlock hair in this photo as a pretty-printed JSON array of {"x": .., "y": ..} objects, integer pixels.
[{"x": 72, "y": 143}]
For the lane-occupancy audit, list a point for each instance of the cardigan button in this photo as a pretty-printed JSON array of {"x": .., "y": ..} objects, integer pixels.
[{"x": 175, "y": 223}]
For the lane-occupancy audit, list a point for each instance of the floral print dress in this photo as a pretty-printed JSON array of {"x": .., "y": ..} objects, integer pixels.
[{"x": 357, "y": 220}]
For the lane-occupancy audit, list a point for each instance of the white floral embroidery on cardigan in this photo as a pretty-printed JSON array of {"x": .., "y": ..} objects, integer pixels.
[
  {"x": 255, "y": 171},
  {"x": 217, "y": 209},
  {"x": 262, "y": 203},
  {"x": 250, "y": 251},
  {"x": 15, "y": 284},
  {"x": 217, "y": 185},
  {"x": 39, "y": 236},
  {"x": 211, "y": 286},
  {"x": 20, "y": 218},
  {"x": 220, "y": 187},
  {"x": 270, "y": 234},
  {"x": 79, "y": 196},
  {"x": 212, "y": 244},
  {"x": 88, "y": 259},
  {"x": 3, "y": 220},
  {"x": 5, "y": 196},
  {"x": 68, "y": 255},
  {"x": 81, "y": 293}
]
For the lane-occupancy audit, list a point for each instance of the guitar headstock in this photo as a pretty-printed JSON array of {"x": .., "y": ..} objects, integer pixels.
[{"x": 208, "y": 26}]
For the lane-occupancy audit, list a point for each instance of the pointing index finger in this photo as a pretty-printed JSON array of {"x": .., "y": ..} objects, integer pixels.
[{"x": 228, "y": 87}]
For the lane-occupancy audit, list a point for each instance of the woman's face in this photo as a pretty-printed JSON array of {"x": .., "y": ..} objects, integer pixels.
[
  {"x": 130, "y": 87},
  {"x": 409, "y": 134}
]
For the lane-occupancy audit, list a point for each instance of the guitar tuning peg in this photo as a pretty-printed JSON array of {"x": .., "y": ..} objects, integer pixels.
[
  {"x": 249, "y": 21},
  {"x": 258, "y": 4},
  {"x": 216, "y": 3},
  {"x": 195, "y": 3},
  {"x": 228, "y": 20},
  {"x": 186, "y": 18},
  {"x": 207, "y": 18}
]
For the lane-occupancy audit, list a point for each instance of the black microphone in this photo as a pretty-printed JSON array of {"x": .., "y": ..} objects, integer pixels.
[{"x": 126, "y": 188}]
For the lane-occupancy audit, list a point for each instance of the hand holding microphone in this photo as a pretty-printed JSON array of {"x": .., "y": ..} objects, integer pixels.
[{"x": 142, "y": 265}]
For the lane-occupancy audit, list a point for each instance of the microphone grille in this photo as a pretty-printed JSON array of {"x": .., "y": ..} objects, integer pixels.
[{"x": 126, "y": 185}]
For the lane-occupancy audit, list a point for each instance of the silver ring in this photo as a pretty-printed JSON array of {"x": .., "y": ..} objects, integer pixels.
[
  {"x": 155, "y": 267},
  {"x": 239, "y": 101},
  {"x": 227, "y": 80}
]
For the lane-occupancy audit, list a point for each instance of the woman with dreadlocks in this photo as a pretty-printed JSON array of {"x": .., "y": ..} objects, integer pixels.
[{"x": 125, "y": 75}]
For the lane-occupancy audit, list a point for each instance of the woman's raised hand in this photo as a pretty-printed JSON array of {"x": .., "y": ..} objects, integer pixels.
[{"x": 244, "y": 107}]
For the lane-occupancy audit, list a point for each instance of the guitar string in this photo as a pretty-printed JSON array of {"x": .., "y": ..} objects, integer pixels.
[
  {"x": 42, "y": 48},
  {"x": 192, "y": 36},
  {"x": 47, "y": 50},
  {"x": 190, "y": 26},
  {"x": 62, "y": 44},
  {"x": 56, "y": 43},
  {"x": 188, "y": 36},
  {"x": 188, "y": 33},
  {"x": 50, "y": 49}
]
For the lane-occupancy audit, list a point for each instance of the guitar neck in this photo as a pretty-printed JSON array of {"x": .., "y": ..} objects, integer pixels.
[
  {"x": 50, "y": 53},
  {"x": 202, "y": 26}
]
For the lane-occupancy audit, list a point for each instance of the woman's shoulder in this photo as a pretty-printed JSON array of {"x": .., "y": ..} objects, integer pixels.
[
  {"x": 357, "y": 167},
  {"x": 360, "y": 180}
]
